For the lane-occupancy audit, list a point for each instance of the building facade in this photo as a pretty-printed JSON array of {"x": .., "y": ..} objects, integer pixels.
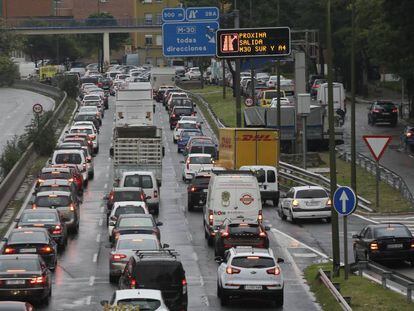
[{"x": 10, "y": 9}]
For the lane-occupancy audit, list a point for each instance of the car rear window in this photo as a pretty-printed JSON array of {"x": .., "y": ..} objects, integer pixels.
[
  {"x": 84, "y": 130},
  {"x": 253, "y": 262},
  {"x": 129, "y": 210},
  {"x": 39, "y": 217},
  {"x": 196, "y": 149},
  {"x": 127, "y": 196},
  {"x": 146, "y": 304},
  {"x": 54, "y": 188},
  {"x": 55, "y": 175},
  {"x": 136, "y": 222},
  {"x": 28, "y": 236},
  {"x": 190, "y": 133},
  {"x": 159, "y": 274},
  {"x": 143, "y": 181},
  {"x": 73, "y": 158},
  {"x": 142, "y": 244},
  {"x": 188, "y": 126},
  {"x": 183, "y": 111},
  {"x": 201, "y": 180},
  {"x": 49, "y": 201},
  {"x": 200, "y": 160},
  {"x": 311, "y": 194},
  {"x": 271, "y": 176},
  {"x": 21, "y": 264},
  {"x": 237, "y": 229},
  {"x": 394, "y": 231},
  {"x": 270, "y": 95}
]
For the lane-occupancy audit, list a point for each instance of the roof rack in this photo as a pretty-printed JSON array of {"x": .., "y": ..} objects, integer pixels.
[
  {"x": 156, "y": 253},
  {"x": 232, "y": 172}
]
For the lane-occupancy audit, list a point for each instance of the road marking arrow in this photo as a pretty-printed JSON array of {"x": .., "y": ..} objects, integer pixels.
[{"x": 344, "y": 198}]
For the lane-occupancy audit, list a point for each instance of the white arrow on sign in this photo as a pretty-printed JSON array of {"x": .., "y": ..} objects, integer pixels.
[{"x": 343, "y": 198}]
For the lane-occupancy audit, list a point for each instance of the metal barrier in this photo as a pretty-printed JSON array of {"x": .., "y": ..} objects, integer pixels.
[
  {"x": 334, "y": 291},
  {"x": 404, "y": 281},
  {"x": 386, "y": 175}
]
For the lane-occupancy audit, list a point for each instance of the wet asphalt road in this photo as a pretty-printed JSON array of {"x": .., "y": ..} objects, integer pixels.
[{"x": 16, "y": 111}]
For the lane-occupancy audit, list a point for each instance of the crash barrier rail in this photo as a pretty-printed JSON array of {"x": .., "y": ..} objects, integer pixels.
[
  {"x": 213, "y": 116},
  {"x": 299, "y": 176},
  {"x": 325, "y": 279},
  {"x": 12, "y": 182},
  {"x": 39, "y": 88},
  {"x": 386, "y": 175},
  {"x": 388, "y": 275}
]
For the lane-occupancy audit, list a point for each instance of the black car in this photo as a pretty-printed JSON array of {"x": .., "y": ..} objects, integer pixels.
[
  {"x": 88, "y": 117},
  {"x": 383, "y": 111},
  {"x": 384, "y": 242},
  {"x": 197, "y": 191},
  {"x": 24, "y": 277},
  {"x": 45, "y": 218},
  {"x": 177, "y": 112},
  {"x": 52, "y": 173},
  {"x": 159, "y": 95},
  {"x": 160, "y": 270},
  {"x": 59, "y": 185},
  {"x": 32, "y": 241},
  {"x": 240, "y": 233},
  {"x": 123, "y": 194}
]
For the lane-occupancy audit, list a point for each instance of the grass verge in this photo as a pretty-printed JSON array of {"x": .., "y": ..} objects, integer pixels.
[
  {"x": 364, "y": 293},
  {"x": 391, "y": 200}
]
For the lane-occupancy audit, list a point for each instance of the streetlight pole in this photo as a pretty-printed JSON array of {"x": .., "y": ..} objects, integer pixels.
[
  {"x": 236, "y": 82},
  {"x": 278, "y": 109}
]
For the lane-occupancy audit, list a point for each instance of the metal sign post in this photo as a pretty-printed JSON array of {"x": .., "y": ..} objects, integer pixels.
[{"x": 303, "y": 109}]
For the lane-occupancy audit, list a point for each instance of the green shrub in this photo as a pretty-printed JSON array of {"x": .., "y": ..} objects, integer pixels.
[
  {"x": 44, "y": 140},
  {"x": 8, "y": 71},
  {"x": 69, "y": 84},
  {"x": 11, "y": 154}
]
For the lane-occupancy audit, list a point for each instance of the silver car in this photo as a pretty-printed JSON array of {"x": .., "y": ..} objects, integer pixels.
[{"x": 249, "y": 272}]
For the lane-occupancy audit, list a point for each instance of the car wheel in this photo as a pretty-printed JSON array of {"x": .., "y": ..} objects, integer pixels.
[
  {"x": 328, "y": 219},
  {"x": 291, "y": 218},
  {"x": 279, "y": 299},
  {"x": 171, "y": 128},
  {"x": 356, "y": 257},
  {"x": 174, "y": 140},
  {"x": 281, "y": 214},
  {"x": 224, "y": 298},
  {"x": 275, "y": 203},
  {"x": 369, "y": 121},
  {"x": 156, "y": 211},
  {"x": 190, "y": 206},
  {"x": 218, "y": 290},
  {"x": 113, "y": 278},
  {"x": 178, "y": 150}
]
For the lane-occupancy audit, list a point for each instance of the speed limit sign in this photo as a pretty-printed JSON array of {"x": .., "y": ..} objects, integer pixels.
[
  {"x": 248, "y": 102},
  {"x": 37, "y": 108}
]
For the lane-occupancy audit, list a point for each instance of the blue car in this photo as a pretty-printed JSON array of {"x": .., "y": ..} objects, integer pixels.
[{"x": 185, "y": 136}]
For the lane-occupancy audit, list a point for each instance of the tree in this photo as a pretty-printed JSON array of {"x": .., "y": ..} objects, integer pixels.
[{"x": 8, "y": 71}]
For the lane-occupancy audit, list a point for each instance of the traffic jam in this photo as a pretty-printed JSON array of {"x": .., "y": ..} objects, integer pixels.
[{"x": 228, "y": 186}]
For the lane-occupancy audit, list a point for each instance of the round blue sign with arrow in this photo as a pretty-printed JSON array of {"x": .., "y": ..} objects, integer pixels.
[{"x": 344, "y": 200}]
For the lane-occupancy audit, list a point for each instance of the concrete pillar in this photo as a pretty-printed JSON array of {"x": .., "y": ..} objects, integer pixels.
[{"x": 106, "y": 50}]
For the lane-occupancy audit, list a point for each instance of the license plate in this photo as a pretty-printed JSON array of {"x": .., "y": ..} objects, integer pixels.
[
  {"x": 253, "y": 287},
  {"x": 385, "y": 113},
  {"x": 205, "y": 190},
  {"x": 394, "y": 246},
  {"x": 15, "y": 282},
  {"x": 28, "y": 250},
  {"x": 312, "y": 203}
]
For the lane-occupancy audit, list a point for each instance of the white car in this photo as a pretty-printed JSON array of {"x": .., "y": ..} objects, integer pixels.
[
  {"x": 193, "y": 73},
  {"x": 252, "y": 272},
  {"x": 142, "y": 299},
  {"x": 284, "y": 101},
  {"x": 183, "y": 125},
  {"x": 89, "y": 123},
  {"x": 125, "y": 207},
  {"x": 69, "y": 156},
  {"x": 87, "y": 129},
  {"x": 196, "y": 162},
  {"x": 98, "y": 104},
  {"x": 305, "y": 202},
  {"x": 272, "y": 82}
]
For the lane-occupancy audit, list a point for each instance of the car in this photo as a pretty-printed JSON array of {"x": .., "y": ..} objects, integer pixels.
[
  {"x": 24, "y": 277},
  {"x": 266, "y": 96},
  {"x": 183, "y": 125},
  {"x": 384, "y": 242},
  {"x": 194, "y": 139},
  {"x": 203, "y": 146},
  {"x": 85, "y": 149},
  {"x": 123, "y": 194},
  {"x": 76, "y": 178},
  {"x": 91, "y": 109},
  {"x": 240, "y": 233},
  {"x": 161, "y": 91},
  {"x": 315, "y": 86},
  {"x": 197, "y": 190},
  {"x": 407, "y": 138},
  {"x": 288, "y": 86},
  {"x": 92, "y": 134},
  {"x": 125, "y": 246},
  {"x": 121, "y": 208},
  {"x": 64, "y": 203},
  {"x": 53, "y": 173},
  {"x": 196, "y": 162},
  {"x": 383, "y": 111},
  {"x": 312, "y": 78},
  {"x": 82, "y": 139},
  {"x": 88, "y": 117},
  {"x": 45, "y": 218},
  {"x": 193, "y": 73},
  {"x": 32, "y": 241},
  {"x": 134, "y": 224},
  {"x": 262, "y": 77},
  {"x": 161, "y": 270},
  {"x": 181, "y": 102},
  {"x": 284, "y": 101},
  {"x": 143, "y": 299},
  {"x": 247, "y": 272},
  {"x": 305, "y": 202},
  {"x": 170, "y": 91},
  {"x": 72, "y": 156},
  {"x": 177, "y": 112},
  {"x": 185, "y": 136},
  {"x": 272, "y": 82}
]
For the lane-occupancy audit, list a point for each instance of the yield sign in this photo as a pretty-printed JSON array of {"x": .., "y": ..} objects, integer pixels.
[{"x": 377, "y": 145}]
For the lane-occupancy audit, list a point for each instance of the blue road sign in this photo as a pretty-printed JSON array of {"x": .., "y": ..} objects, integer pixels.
[
  {"x": 344, "y": 200},
  {"x": 173, "y": 15},
  {"x": 202, "y": 14},
  {"x": 189, "y": 39}
]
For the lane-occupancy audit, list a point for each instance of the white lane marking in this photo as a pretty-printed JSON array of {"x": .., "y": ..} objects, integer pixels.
[
  {"x": 88, "y": 300},
  {"x": 205, "y": 301},
  {"x": 102, "y": 208},
  {"x": 95, "y": 257},
  {"x": 189, "y": 236},
  {"x": 91, "y": 280},
  {"x": 106, "y": 186},
  {"x": 305, "y": 255},
  {"x": 98, "y": 237},
  {"x": 366, "y": 218},
  {"x": 107, "y": 175},
  {"x": 100, "y": 222},
  {"x": 201, "y": 280},
  {"x": 275, "y": 231},
  {"x": 107, "y": 167},
  {"x": 195, "y": 257}
]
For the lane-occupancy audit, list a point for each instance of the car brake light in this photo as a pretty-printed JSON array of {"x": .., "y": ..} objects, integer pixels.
[
  {"x": 40, "y": 180},
  {"x": 133, "y": 283},
  {"x": 412, "y": 243},
  {"x": 70, "y": 180},
  {"x": 184, "y": 283},
  {"x": 193, "y": 189},
  {"x": 395, "y": 110},
  {"x": 225, "y": 233},
  {"x": 173, "y": 115},
  {"x": 72, "y": 207},
  {"x": 231, "y": 270},
  {"x": 275, "y": 271},
  {"x": 34, "y": 206},
  {"x": 376, "y": 110},
  {"x": 210, "y": 217},
  {"x": 262, "y": 234},
  {"x": 38, "y": 280},
  {"x": 57, "y": 230},
  {"x": 9, "y": 250},
  {"x": 155, "y": 194},
  {"x": 117, "y": 257},
  {"x": 260, "y": 216},
  {"x": 92, "y": 136},
  {"x": 373, "y": 246},
  {"x": 409, "y": 134},
  {"x": 46, "y": 249}
]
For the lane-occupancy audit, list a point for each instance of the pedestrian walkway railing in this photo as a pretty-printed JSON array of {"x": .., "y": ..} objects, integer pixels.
[
  {"x": 334, "y": 288},
  {"x": 386, "y": 175},
  {"x": 388, "y": 276}
]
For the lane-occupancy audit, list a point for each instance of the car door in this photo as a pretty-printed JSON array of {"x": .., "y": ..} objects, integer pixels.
[
  {"x": 286, "y": 202},
  {"x": 361, "y": 243},
  {"x": 221, "y": 270}
]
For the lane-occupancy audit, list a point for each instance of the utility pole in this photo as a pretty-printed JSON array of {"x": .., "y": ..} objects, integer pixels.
[
  {"x": 332, "y": 161},
  {"x": 278, "y": 109},
  {"x": 236, "y": 82},
  {"x": 250, "y": 60}
]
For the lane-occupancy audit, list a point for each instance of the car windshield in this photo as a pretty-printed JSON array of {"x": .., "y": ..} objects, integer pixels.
[
  {"x": 394, "y": 231},
  {"x": 92, "y": 97},
  {"x": 253, "y": 262},
  {"x": 142, "y": 244},
  {"x": 39, "y": 217},
  {"x": 236, "y": 229},
  {"x": 200, "y": 160},
  {"x": 183, "y": 111},
  {"x": 73, "y": 158},
  {"x": 84, "y": 117},
  {"x": 19, "y": 265},
  {"x": 28, "y": 236},
  {"x": 159, "y": 275},
  {"x": 385, "y": 105},
  {"x": 142, "y": 304},
  {"x": 311, "y": 194},
  {"x": 143, "y": 181},
  {"x": 136, "y": 222},
  {"x": 129, "y": 209},
  {"x": 188, "y": 126},
  {"x": 49, "y": 201}
]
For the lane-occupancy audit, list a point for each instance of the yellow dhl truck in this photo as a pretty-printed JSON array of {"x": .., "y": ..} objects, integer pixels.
[
  {"x": 248, "y": 146},
  {"x": 48, "y": 72}
]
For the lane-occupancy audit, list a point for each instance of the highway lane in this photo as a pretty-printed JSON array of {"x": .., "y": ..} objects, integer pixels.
[{"x": 16, "y": 111}]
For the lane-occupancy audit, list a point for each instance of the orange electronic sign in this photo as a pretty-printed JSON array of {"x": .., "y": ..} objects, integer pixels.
[{"x": 253, "y": 42}]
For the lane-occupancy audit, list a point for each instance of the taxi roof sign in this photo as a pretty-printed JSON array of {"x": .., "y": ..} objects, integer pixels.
[{"x": 253, "y": 42}]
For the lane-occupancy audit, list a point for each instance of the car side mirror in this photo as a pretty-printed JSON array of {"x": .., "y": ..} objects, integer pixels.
[
  {"x": 50, "y": 161},
  {"x": 104, "y": 303},
  {"x": 356, "y": 236},
  {"x": 159, "y": 223},
  {"x": 113, "y": 218},
  {"x": 111, "y": 152},
  {"x": 218, "y": 259},
  {"x": 159, "y": 183},
  {"x": 267, "y": 228},
  {"x": 280, "y": 260},
  {"x": 112, "y": 223},
  {"x": 165, "y": 245},
  {"x": 283, "y": 195},
  {"x": 148, "y": 197},
  {"x": 17, "y": 219},
  {"x": 182, "y": 162},
  {"x": 105, "y": 197},
  {"x": 194, "y": 105}
]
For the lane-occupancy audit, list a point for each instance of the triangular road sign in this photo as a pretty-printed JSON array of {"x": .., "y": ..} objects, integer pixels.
[{"x": 377, "y": 144}]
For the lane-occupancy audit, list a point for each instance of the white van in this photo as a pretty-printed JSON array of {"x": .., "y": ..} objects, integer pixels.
[
  {"x": 69, "y": 156},
  {"x": 231, "y": 195},
  {"x": 147, "y": 181},
  {"x": 268, "y": 182}
]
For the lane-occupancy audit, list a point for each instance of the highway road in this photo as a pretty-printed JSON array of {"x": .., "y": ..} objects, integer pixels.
[{"x": 16, "y": 111}]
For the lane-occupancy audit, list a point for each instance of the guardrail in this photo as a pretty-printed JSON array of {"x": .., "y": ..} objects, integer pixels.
[
  {"x": 213, "y": 116},
  {"x": 334, "y": 291},
  {"x": 14, "y": 179},
  {"x": 386, "y": 175},
  {"x": 387, "y": 275}
]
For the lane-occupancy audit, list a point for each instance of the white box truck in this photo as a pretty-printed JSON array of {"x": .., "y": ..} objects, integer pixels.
[
  {"x": 135, "y": 91},
  {"x": 162, "y": 76}
]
